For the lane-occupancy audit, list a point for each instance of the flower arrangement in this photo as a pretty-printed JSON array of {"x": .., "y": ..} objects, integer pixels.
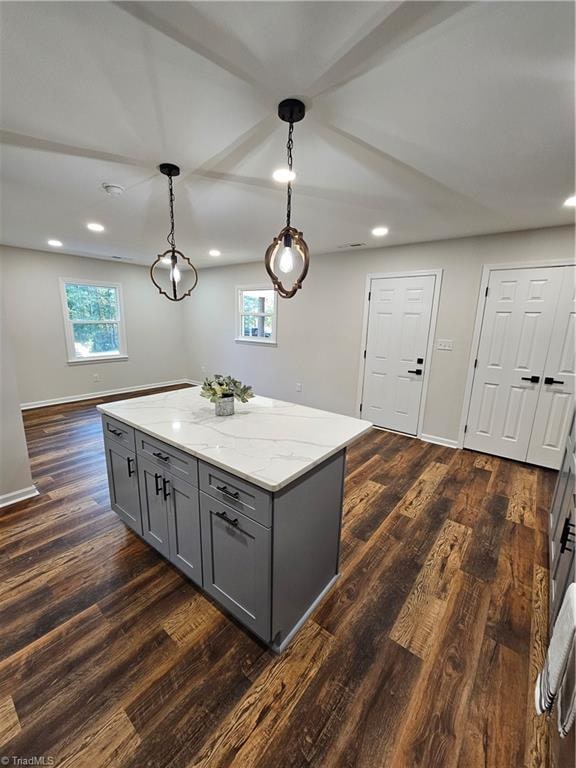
[{"x": 219, "y": 387}]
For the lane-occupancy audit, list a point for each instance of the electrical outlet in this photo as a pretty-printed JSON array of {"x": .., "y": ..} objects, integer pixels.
[
  {"x": 298, "y": 387},
  {"x": 96, "y": 377},
  {"x": 445, "y": 344}
]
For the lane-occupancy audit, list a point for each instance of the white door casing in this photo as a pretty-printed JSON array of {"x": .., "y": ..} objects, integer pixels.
[
  {"x": 399, "y": 315},
  {"x": 556, "y": 399},
  {"x": 516, "y": 329}
]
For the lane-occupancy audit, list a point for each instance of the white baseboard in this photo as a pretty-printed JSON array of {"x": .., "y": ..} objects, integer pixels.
[
  {"x": 440, "y": 441},
  {"x": 104, "y": 393},
  {"x": 24, "y": 493}
]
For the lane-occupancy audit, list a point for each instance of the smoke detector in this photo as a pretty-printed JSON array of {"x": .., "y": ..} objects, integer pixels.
[{"x": 114, "y": 190}]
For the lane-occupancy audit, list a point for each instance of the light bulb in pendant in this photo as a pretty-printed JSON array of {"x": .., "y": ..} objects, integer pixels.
[
  {"x": 175, "y": 274},
  {"x": 286, "y": 263},
  {"x": 286, "y": 260}
]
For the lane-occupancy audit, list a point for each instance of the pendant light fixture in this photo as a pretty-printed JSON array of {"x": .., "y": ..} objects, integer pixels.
[
  {"x": 287, "y": 256},
  {"x": 179, "y": 280}
]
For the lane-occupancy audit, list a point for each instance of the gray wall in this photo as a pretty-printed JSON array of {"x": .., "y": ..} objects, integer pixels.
[
  {"x": 14, "y": 464},
  {"x": 320, "y": 330},
  {"x": 154, "y": 329}
]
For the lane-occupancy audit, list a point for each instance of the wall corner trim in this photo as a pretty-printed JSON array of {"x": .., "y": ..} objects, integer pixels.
[
  {"x": 24, "y": 493},
  {"x": 449, "y": 443}
]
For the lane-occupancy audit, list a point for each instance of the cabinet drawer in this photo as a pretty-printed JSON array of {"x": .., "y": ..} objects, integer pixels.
[
  {"x": 178, "y": 463},
  {"x": 119, "y": 432},
  {"x": 236, "y": 493},
  {"x": 236, "y": 560}
]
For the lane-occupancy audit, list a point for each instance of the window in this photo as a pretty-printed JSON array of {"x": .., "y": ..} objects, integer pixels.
[
  {"x": 256, "y": 315},
  {"x": 93, "y": 321}
]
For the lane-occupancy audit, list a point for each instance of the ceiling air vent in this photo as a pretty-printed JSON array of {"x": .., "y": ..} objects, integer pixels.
[{"x": 352, "y": 245}]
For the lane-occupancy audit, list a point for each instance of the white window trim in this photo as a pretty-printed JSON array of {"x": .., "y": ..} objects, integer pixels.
[
  {"x": 239, "y": 339},
  {"x": 72, "y": 359}
]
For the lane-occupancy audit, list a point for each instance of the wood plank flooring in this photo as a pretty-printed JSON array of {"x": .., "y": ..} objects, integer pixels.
[{"x": 425, "y": 653}]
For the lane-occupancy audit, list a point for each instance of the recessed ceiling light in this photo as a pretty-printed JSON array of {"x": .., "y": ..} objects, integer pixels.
[
  {"x": 570, "y": 202},
  {"x": 283, "y": 175},
  {"x": 55, "y": 243},
  {"x": 93, "y": 226},
  {"x": 214, "y": 252},
  {"x": 380, "y": 231}
]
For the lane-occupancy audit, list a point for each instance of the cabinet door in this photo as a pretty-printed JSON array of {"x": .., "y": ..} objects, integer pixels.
[
  {"x": 236, "y": 564},
  {"x": 153, "y": 503},
  {"x": 123, "y": 484},
  {"x": 184, "y": 527}
]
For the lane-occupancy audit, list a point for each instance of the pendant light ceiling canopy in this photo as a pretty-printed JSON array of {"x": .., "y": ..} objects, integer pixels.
[
  {"x": 173, "y": 273},
  {"x": 287, "y": 257}
]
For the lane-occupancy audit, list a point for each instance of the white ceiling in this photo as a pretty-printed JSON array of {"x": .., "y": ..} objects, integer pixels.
[{"x": 436, "y": 119}]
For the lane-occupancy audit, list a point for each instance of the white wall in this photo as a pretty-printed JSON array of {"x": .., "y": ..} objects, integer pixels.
[
  {"x": 14, "y": 464},
  {"x": 320, "y": 330},
  {"x": 154, "y": 328}
]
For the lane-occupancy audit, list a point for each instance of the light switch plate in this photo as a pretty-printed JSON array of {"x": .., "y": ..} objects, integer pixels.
[{"x": 446, "y": 344}]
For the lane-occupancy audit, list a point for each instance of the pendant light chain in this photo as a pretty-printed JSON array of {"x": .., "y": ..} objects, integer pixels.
[
  {"x": 170, "y": 238},
  {"x": 289, "y": 147}
]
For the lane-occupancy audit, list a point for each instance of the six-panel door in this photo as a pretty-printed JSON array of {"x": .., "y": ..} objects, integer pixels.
[
  {"x": 516, "y": 330},
  {"x": 153, "y": 490},
  {"x": 184, "y": 528},
  {"x": 236, "y": 564},
  {"x": 398, "y": 329},
  {"x": 123, "y": 484}
]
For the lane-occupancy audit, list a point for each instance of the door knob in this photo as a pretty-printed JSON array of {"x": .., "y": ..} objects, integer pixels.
[
  {"x": 419, "y": 360},
  {"x": 532, "y": 379},
  {"x": 418, "y": 372},
  {"x": 552, "y": 380}
]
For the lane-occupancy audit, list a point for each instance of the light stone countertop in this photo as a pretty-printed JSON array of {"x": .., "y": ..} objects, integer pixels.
[{"x": 268, "y": 442}]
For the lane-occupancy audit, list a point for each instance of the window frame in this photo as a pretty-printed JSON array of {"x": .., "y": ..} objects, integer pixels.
[
  {"x": 240, "y": 290},
  {"x": 105, "y": 357}
]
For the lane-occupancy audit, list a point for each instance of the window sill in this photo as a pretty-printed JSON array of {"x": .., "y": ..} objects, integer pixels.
[
  {"x": 93, "y": 360},
  {"x": 266, "y": 342}
]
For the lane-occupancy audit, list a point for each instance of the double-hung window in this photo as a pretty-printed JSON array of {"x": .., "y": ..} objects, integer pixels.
[
  {"x": 93, "y": 320},
  {"x": 256, "y": 315}
]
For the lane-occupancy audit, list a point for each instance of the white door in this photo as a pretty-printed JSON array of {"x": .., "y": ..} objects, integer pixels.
[
  {"x": 398, "y": 328},
  {"x": 556, "y": 400},
  {"x": 516, "y": 329}
]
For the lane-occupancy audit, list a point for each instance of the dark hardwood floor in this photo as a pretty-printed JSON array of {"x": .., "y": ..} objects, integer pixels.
[{"x": 425, "y": 653}]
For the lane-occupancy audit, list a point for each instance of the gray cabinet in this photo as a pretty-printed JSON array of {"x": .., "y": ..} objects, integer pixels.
[
  {"x": 267, "y": 558},
  {"x": 236, "y": 563},
  {"x": 183, "y": 510},
  {"x": 153, "y": 488},
  {"x": 123, "y": 483},
  {"x": 563, "y": 527}
]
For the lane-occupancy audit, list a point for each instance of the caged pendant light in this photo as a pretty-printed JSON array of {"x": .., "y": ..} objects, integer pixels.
[
  {"x": 176, "y": 282},
  {"x": 287, "y": 257}
]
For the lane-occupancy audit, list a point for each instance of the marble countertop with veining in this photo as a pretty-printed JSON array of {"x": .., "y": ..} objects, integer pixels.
[{"x": 268, "y": 442}]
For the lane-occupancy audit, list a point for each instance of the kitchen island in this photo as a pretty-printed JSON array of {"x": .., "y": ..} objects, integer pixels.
[{"x": 248, "y": 506}]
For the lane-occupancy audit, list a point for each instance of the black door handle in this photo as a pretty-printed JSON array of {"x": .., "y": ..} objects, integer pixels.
[
  {"x": 116, "y": 432},
  {"x": 224, "y": 516},
  {"x": 165, "y": 484},
  {"x": 551, "y": 380},
  {"x": 567, "y": 536},
  {"x": 159, "y": 456},
  {"x": 418, "y": 372},
  {"x": 157, "y": 479},
  {"x": 227, "y": 491},
  {"x": 419, "y": 360},
  {"x": 533, "y": 379},
  {"x": 130, "y": 461}
]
